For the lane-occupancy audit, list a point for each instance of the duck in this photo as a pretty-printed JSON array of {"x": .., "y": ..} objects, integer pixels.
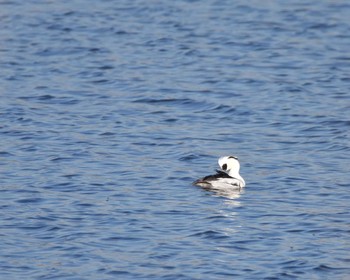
[{"x": 227, "y": 178}]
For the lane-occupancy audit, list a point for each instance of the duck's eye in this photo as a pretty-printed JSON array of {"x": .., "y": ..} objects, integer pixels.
[{"x": 224, "y": 166}]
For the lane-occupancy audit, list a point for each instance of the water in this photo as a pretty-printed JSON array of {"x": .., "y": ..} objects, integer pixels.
[{"x": 110, "y": 109}]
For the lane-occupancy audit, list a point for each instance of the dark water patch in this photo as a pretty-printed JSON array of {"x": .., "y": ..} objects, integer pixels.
[
  {"x": 61, "y": 159},
  {"x": 123, "y": 273},
  {"x": 223, "y": 108},
  {"x": 164, "y": 101},
  {"x": 123, "y": 238},
  {"x": 30, "y": 200},
  {"x": 5, "y": 154},
  {"x": 336, "y": 123},
  {"x": 190, "y": 157},
  {"x": 326, "y": 268},
  {"x": 106, "y": 67},
  {"x": 171, "y": 120},
  {"x": 50, "y": 99},
  {"x": 101, "y": 81},
  {"x": 108, "y": 134},
  {"x": 210, "y": 234}
]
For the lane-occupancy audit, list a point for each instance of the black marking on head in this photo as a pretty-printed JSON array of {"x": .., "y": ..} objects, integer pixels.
[
  {"x": 233, "y": 157},
  {"x": 224, "y": 166}
]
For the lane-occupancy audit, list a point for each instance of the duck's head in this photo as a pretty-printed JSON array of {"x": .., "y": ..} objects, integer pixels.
[{"x": 229, "y": 164}]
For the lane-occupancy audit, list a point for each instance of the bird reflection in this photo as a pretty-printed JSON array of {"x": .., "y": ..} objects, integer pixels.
[{"x": 231, "y": 194}]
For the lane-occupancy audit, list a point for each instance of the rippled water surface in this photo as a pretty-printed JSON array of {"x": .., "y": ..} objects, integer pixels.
[{"x": 110, "y": 109}]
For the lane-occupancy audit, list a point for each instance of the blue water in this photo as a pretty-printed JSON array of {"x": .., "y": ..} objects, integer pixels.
[{"x": 110, "y": 109}]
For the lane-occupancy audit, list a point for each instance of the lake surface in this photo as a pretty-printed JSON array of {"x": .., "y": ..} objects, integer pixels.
[{"x": 111, "y": 109}]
